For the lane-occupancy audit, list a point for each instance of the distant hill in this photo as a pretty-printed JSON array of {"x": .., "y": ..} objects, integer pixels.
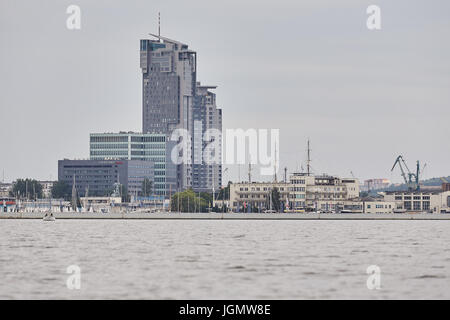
[
  {"x": 434, "y": 181},
  {"x": 427, "y": 183}
]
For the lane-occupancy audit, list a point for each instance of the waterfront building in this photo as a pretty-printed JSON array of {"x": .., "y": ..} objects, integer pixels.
[
  {"x": 419, "y": 201},
  {"x": 302, "y": 192},
  {"x": 152, "y": 147},
  {"x": 328, "y": 188},
  {"x": 255, "y": 196},
  {"x": 207, "y": 117},
  {"x": 99, "y": 177},
  {"x": 356, "y": 206}
]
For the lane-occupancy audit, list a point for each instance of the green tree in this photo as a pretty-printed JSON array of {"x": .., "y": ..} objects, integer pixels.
[
  {"x": 62, "y": 190},
  {"x": 275, "y": 198},
  {"x": 27, "y": 188},
  {"x": 207, "y": 197},
  {"x": 224, "y": 193},
  {"x": 147, "y": 187},
  {"x": 188, "y": 201}
]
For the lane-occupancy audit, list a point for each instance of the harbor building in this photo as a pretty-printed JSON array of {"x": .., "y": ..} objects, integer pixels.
[
  {"x": 99, "y": 177},
  {"x": 207, "y": 119},
  {"x": 419, "y": 201},
  {"x": 152, "y": 147},
  {"x": 302, "y": 192},
  {"x": 327, "y": 189},
  {"x": 255, "y": 196}
]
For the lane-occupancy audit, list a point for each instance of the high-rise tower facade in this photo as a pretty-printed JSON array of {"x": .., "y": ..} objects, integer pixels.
[
  {"x": 207, "y": 130},
  {"x": 172, "y": 99},
  {"x": 168, "y": 84},
  {"x": 169, "y": 71}
]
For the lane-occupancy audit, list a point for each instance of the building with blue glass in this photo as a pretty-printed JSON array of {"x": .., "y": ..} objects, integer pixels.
[{"x": 152, "y": 147}]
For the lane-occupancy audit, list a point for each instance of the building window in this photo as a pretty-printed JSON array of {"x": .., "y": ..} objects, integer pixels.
[{"x": 407, "y": 205}]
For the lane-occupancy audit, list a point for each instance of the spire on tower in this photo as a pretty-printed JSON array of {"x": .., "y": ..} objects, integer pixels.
[{"x": 159, "y": 24}]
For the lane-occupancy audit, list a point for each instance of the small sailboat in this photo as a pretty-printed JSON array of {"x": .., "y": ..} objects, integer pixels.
[{"x": 49, "y": 217}]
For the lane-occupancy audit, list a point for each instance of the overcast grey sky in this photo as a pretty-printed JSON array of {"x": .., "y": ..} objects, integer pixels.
[{"x": 310, "y": 68}]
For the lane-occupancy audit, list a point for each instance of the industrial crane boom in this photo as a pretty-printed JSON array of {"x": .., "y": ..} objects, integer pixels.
[{"x": 397, "y": 161}]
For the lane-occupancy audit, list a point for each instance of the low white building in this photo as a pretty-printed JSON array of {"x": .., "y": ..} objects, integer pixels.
[
  {"x": 419, "y": 201},
  {"x": 355, "y": 206}
]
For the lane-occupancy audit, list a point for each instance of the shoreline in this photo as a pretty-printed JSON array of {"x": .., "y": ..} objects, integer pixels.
[{"x": 226, "y": 216}]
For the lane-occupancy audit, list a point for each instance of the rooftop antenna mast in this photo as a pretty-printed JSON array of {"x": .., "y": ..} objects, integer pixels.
[
  {"x": 308, "y": 163},
  {"x": 275, "y": 167}
]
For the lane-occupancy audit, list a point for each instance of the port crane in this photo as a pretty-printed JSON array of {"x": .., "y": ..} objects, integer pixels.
[{"x": 411, "y": 179}]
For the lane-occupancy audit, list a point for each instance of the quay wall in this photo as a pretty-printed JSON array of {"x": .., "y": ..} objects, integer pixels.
[{"x": 228, "y": 216}]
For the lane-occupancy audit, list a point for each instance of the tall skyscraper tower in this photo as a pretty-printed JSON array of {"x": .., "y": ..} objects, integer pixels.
[
  {"x": 169, "y": 71},
  {"x": 207, "y": 117},
  {"x": 172, "y": 99}
]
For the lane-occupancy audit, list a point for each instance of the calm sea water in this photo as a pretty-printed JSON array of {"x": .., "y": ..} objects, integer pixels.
[{"x": 190, "y": 259}]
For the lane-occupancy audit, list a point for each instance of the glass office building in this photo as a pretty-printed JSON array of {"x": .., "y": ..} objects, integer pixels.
[{"x": 152, "y": 147}]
